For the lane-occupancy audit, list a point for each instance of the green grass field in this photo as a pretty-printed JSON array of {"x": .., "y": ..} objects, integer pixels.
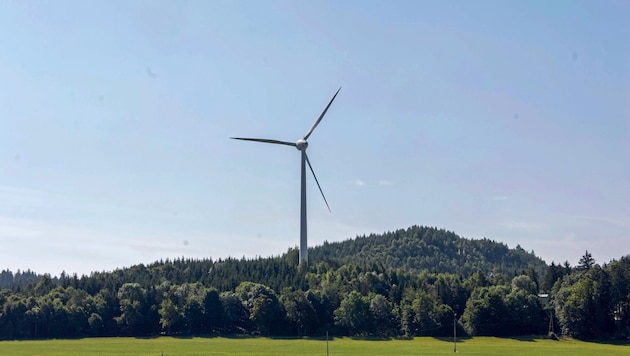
[{"x": 339, "y": 346}]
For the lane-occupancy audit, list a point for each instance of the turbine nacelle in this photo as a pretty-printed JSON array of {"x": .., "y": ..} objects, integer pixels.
[{"x": 301, "y": 144}]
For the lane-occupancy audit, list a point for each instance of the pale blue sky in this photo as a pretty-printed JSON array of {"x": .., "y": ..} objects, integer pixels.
[{"x": 499, "y": 119}]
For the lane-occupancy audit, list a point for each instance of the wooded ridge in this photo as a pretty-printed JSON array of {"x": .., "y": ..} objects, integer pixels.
[{"x": 409, "y": 282}]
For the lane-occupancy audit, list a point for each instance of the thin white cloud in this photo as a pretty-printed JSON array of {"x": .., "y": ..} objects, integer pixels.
[
  {"x": 385, "y": 183},
  {"x": 607, "y": 220},
  {"x": 571, "y": 246},
  {"x": 500, "y": 197},
  {"x": 358, "y": 182},
  {"x": 522, "y": 225},
  {"x": 55, "y": 247},
  {"x": 21, "y": 201}
]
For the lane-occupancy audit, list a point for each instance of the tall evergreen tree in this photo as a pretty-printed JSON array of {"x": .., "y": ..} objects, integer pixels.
[{"x": 586, "y": 261}]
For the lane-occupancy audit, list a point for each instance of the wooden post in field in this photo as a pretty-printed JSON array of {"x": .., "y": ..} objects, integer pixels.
[
  {"x": 326, "y": 342},
  {"x": 454, "y": 332}
]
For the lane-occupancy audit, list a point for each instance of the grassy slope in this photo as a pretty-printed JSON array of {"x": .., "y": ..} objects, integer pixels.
[{"x": 344, "y": 346}]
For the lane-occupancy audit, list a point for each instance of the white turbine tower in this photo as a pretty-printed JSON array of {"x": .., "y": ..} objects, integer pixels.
[{"x": 301, "y": 145}]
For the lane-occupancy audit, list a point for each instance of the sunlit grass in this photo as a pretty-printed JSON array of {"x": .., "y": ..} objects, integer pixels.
[{"x": 278, "y": 346}]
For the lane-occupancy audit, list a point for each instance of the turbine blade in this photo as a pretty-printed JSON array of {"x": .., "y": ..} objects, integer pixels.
[
  {"x": 316, "y": 181},
  {"x": 265, "y": 141},
  {"x": 321, "y": 116}
]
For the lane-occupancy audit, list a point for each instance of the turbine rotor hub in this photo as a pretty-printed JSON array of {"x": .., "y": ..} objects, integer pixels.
[{"x": 301, "y": 144}]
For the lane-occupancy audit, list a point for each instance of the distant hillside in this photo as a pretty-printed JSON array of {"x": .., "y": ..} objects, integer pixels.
[
  {"x": 19, "y": 279},
  {"x": 416, "y": 249},
  {"x": 410, "y": 282},
  {"x": 426, "y": 248}
]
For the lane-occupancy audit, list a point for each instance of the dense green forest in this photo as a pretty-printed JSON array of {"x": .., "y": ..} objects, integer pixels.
[{"x": 410, "y": 282}]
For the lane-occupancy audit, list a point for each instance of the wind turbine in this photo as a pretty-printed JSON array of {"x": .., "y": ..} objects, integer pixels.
[{"x": 301, "y": 145}]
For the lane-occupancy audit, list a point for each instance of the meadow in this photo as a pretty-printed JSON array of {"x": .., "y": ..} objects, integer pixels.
[{"x": 338, "y": 346}]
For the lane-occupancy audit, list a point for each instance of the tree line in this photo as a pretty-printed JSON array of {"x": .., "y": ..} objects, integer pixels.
[{"x": 275, "y": 296}]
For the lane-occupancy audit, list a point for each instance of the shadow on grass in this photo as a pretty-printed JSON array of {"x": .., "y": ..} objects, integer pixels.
[
  {"x": 176, "y": 336},
  {"x": 529, "y": 338},
  {"x": 524, "y": 338},
  {"x": 272, "y": 337},
  {"x": 616, "y": 342},
  {"x": 371, "y": 338},
  {"x": 449, "y": 339}
]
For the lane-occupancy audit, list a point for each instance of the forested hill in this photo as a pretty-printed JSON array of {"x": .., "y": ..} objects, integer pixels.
[
  {"x": 416, "y": 249},
  {"x": 426, "y": 248},
  {"x": 410, "y": 282}
]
